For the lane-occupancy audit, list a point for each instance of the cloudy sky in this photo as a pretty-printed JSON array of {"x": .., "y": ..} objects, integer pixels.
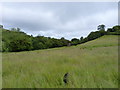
[{"x": 60, "y": 19}]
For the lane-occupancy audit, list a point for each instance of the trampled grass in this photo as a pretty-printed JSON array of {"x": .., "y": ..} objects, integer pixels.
[{"x": 90, "y": 65}]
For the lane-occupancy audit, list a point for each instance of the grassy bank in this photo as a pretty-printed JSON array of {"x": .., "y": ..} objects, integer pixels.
[{"x": 90, "y": 65}]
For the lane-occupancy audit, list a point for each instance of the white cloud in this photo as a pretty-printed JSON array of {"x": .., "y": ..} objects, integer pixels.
[
  {"x": 56, "y": 21},
  {"x": 29, "y": 18}
]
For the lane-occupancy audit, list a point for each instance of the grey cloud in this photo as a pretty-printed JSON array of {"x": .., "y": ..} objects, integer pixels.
[{"x": 59, "y": 19}]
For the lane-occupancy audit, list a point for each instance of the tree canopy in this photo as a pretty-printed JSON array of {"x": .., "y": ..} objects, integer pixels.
[
  {"x": 101, "y": 27},
  {"x": 15, "y": 40}
]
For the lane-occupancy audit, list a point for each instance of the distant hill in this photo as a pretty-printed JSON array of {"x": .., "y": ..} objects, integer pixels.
[{"x": 15, "y": 40}]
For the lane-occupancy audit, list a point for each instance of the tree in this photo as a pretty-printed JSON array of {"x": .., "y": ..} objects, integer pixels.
[
  {"x": 64, "y": 41},
  {"x": 116, "y": 28},
  {"x": 114, "y": 31},
  {"x": 97, "y": 34},
  {"x": 1, "y": 26},
  {"x": 101, "y": 27},
  {"x": 75, "y": 41},
  {"x": 81, "y": 38},
  {"x": 20, "y": 43},
  {"x": 18, "y": 29},
  {"x": 109, "y": 30},
  {"x": 38, "y": 43},
  {"x": 15, "y": 29}
]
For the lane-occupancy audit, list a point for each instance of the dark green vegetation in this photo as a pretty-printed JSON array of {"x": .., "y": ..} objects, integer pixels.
[
  {"x": 15, "y": 40},
  {"x": 93, "y": 64}
]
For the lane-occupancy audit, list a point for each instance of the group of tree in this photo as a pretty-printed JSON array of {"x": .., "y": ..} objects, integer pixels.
[
  {"x": 15, "y": 40},
  {"x": 115, "y": 30}
]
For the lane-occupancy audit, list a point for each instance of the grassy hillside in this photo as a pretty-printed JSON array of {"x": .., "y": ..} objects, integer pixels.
[
  {"x": 90, "y": 65},
  {"x": 16, "y": 41}
]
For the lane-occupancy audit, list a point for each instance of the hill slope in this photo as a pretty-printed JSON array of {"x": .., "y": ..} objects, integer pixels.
[
  {"x": 15, "y": 40},
  {"x": 90, "y": 65}
]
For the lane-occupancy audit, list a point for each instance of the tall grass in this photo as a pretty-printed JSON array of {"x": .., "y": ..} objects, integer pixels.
[
  {"x": 0, "y": 70},
  {"x": 91, "y": 65}
]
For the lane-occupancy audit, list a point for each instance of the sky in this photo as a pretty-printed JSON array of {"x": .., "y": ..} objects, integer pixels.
[{"x": 59, "y": 19}]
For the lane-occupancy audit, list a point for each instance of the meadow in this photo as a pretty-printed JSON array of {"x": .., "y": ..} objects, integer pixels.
[{"x": 93, "y": 64}]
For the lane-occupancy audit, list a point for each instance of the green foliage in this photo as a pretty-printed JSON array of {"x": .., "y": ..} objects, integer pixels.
[
  {"x": 15, "y": 29},
  {"x": 1, "y": 26},
  {"x": 16, "y": 40},
  {"x": 110, "y": 30},
  {"x": 81, "y": 38},
  {"x": 37, "y": 44},
  {"x": 75, "y": 41},
  {"x": 64, "y": 41},
  {"x": 101, "y": 27},
  {"x": 114, "y": 31},
  {"x": 20, "y": 43},
  {"x": 94, "y": 35}
]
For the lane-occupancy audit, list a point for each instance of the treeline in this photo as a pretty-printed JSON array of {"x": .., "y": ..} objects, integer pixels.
[
  {"x": 15, "y": 40},
  {"x": 115, "y": 30}
]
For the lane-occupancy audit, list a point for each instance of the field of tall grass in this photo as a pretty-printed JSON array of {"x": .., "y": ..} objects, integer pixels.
[{"x": 90, "y": 65}]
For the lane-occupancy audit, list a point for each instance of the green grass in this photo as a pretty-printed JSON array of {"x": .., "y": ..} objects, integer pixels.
[
  {"x": 90, "y": 65},
  {"x": 0, "y": 59}
]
